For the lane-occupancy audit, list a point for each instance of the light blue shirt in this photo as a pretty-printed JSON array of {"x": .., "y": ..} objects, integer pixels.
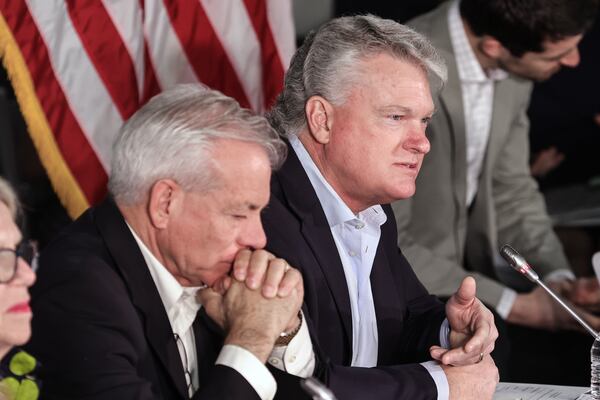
[{"x": 356, "y": 237}]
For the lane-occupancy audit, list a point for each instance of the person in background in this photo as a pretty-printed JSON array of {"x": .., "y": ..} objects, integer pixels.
[
  {"x": 354, "y": 108},
  {"x": 125, "y": 293},
  {"x": 16, "y": 277},
  {"x": 475, "y": 191}
]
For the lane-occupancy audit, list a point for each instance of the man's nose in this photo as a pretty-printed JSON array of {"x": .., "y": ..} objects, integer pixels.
[
  {"x": 417, "y": 141},
  {"x": 572, "y": 59},
  {"x": 254, "y": 235}
]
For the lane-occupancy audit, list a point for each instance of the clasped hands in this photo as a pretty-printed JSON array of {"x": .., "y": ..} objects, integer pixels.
[{"x": 258, "y": 301}]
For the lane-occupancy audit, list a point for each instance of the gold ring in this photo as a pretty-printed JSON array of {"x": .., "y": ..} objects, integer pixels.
[
  {"x": 480, "y": 358},
  {"x": 286, "y": 266}
]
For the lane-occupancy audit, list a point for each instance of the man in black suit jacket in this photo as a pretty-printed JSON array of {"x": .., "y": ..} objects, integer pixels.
[
  {"x": 117, "y": 313},
  {"x": 354, "y": 108}
]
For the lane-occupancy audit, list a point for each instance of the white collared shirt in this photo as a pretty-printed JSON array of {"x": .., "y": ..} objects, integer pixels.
[
  {"x": 356, "y": 237},
  {"x": 181, "y": 307},
  {"x": 478, "y": 98}
]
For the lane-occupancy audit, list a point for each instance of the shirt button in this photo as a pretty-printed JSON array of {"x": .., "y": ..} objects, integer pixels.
[
  {"x": 292, "y": 359},
  {"x": 352, "y": 254},
  {"x": 274, "y": 361},
  {"x": 359, "y": 225}
]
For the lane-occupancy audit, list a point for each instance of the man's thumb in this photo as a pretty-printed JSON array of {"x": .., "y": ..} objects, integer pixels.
[{"x": 465, "y": 294}]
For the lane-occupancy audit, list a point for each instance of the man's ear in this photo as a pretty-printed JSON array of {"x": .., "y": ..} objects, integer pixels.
[
  {"x": 164, "y": 198},
  {"x": 491, "y": 47},
  {"x": 319, "y": 118}
]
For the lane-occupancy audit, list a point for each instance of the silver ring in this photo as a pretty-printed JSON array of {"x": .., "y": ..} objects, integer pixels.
[{"x": 480, "y": 358}]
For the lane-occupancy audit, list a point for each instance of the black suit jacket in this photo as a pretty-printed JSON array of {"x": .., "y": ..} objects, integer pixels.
[
  {"x": 408, "y": 318},
  {"x": 100, "y": 329}
]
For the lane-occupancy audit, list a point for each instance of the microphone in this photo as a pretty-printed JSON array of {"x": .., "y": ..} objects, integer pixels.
[
  {"x": 596, "y": 264},
  {"x": 316, "y": 389},
  {"x": 517, "y": 261}
]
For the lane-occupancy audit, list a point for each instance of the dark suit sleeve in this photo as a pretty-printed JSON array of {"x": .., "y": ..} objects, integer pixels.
[
  {"x": 90, "y": 339},
  {"x": 226, "y": 383}
]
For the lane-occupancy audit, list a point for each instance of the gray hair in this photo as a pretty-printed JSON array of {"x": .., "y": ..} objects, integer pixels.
[
  {"x": 326, "y": 63},
  {"x": 9, "y": 198},
  {"x": 172, "y": 137}
]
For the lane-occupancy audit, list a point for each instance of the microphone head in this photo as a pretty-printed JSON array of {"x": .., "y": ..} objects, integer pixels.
[
  {"x": 517, "y": 261},
  {"x": 316, "y": 389}
]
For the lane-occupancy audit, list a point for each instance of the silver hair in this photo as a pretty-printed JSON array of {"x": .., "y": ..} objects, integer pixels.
[
  {"x": 9, "y": 198},
  {"x": 326, "y": 63},
  {"x": 172, "y": 137}
]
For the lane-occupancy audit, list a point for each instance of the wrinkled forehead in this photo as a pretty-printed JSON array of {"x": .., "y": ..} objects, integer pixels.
[{"x": 418, "y": 70}]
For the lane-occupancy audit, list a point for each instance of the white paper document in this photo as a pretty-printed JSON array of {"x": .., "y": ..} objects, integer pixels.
[{"x": 526, "y": 391}]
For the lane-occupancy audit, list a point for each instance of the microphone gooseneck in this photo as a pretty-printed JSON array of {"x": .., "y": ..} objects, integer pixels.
[{"x": 517, "y": 261}]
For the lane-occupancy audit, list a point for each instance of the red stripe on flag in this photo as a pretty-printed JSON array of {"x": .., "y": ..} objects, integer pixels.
[
  {"x": 105, "y": 47},
  {"x": 204, "y": 51},
  {"x": 151, "y": 85},
  {"x": 272, "y": 67},
  {"x": 77, "y": 153}
]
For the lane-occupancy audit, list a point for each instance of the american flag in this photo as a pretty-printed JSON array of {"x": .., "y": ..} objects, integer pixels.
[{"x": 80, "y": 68}]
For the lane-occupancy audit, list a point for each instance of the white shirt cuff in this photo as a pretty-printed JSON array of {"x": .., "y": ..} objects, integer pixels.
[
  {"x": 439, "y": 378},
  {"x": 250, "y": 367},
  {"x": 298, "y": 357},
  {"x": 507, "y": 300},
  {"x": 559, "y": 275},
  {"x": 445, "y": 334}
]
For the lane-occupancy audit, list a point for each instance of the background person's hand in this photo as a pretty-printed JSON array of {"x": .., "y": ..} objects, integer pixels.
[
  {"x": 585, "y": 292},
  {"x": 537, "y": 309},
  {"x": 545, "y": 161}
]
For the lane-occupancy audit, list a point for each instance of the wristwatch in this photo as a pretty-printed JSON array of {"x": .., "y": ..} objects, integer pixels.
[{"x": 286, "y": 337}]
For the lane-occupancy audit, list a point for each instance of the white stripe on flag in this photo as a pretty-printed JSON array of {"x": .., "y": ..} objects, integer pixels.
[
  {"x": 85, "y": 92},
  {"x": 281, "y": 22},
  {"x": 127, "y": 19},
  {"x": 232, "y": 25},
  {"x": 170, "y": 61}
]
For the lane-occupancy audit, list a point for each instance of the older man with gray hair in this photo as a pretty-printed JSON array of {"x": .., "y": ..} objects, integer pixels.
[
  {"x": 123, "y": 294},
  {"x": 354, "y": 109}
]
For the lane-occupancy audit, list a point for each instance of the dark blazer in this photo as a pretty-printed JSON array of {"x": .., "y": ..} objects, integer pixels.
[
  {"x": 101, "y": 330},
  {"x": 408, "y": 318}
]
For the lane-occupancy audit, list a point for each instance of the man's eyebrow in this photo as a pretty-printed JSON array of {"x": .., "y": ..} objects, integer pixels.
[
  {"x": 246, "y": 206},
  {"x": 395, "y": 107},
  {"x": 559, "y": 56},
  {"x": 407, "y": 110}
]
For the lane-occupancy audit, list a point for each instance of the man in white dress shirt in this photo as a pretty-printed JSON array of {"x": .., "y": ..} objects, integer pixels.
[{"x": 123, "y": 295}]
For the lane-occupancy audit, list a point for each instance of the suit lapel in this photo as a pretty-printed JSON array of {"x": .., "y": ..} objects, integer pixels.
[
  {"x": 450, "y": 102},
  {"x": 501, "y": 119},
  {"x": 388, "y": 304},
  {"x": 211, "y": 337},
  {"x": 144, "y": 294},
  {"x": 302, "y": 199}
]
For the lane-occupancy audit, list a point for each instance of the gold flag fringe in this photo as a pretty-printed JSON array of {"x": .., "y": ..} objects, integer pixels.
[{"x": 64, "y": 183}]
